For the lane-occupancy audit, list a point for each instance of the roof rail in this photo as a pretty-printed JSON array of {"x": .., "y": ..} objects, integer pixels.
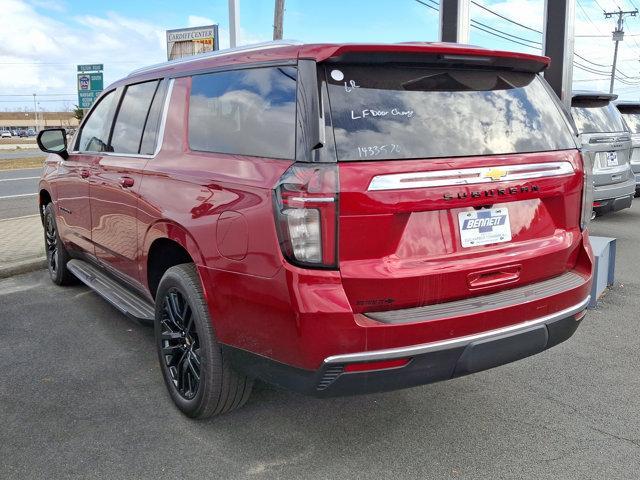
[{"x": 217, "y": 53}]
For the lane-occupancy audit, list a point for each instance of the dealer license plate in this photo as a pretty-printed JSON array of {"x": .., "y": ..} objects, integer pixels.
[
  {"x": 612, "y": 159},
  {"x": 483, "y": 227}
]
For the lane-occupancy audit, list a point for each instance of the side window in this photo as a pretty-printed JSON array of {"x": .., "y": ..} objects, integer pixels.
[
  {"x": 131, "y": 117},
  {"x": 244, "y": 112},
  {"x": 95, "y": 131},
  {"x": 150, "y": 134}
]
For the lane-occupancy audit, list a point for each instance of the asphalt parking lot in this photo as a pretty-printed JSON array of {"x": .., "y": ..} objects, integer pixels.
[{"x": 81, "y": 396}]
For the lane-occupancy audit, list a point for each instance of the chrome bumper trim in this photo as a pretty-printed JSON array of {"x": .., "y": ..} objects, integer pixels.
[{"x": 398, "y": 352}]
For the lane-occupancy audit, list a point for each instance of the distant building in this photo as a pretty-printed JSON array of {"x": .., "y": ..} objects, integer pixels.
[{"x": 26, "y": 120}]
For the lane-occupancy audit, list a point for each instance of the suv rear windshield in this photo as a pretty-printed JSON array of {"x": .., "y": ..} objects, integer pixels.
[
  {"x": 395, "y": 112},
  {"x": 632, "y": 119},
  {"x": 595, "y": 116}
]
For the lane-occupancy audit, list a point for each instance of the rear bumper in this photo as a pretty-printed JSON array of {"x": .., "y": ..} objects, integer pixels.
[
  {"x": 613, "y": 204},
  {"x": 426, "y": 363},
  {"x": 615, "y": 190}
]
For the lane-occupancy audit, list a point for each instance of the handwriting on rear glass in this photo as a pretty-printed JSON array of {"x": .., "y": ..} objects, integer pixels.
[
  {"x": 377, "y": 150},
  {"x": 350, "y": 85},
  {"x": 370, "y": 112}
]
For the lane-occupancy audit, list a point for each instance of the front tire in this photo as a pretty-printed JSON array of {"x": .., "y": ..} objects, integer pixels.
[
  {"x": 57, "y": 255},
  {"x": 200, "y": 381}
]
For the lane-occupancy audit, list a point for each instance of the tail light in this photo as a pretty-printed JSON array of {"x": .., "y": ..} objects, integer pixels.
[
  {"x": 306, "y": 211},
  {"x": 587, "y": 192}
]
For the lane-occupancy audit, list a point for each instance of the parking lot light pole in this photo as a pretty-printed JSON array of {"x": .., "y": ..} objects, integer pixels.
[{"x": 234, "y": 23}]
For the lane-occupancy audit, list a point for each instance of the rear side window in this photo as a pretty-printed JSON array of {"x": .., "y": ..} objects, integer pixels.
[
  {"x": 397, "y": 112},
  {"x": 595, "y": 116},
  {"x": 152, "y": 127},
  {"x": 245, "y": 112},
  {"x": 632, "y": 119},
  {"x": 94, "y": 136},
  {"x": 132, "y": 116}
]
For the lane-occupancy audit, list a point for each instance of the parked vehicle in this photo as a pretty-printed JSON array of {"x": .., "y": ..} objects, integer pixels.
[
  {"x": 606, "y": 144},
  {"x": 31, "y": 132},
  {"x": 23, "y": 133},
  {"x": 631, "y": 114},
  {"x": 5, "y": 134},
  {"x": 14, "y": 133},
  {"x": 332, "y": 218}
]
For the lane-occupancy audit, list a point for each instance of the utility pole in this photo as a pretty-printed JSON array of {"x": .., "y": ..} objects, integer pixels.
[
  {"x": 618, "y": 36},
  {"x": 35, "y": 112},
  {"x": 278, "y": 14}
]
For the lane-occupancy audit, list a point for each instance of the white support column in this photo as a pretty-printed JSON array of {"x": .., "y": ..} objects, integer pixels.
[{"x": 454, "y": 21}]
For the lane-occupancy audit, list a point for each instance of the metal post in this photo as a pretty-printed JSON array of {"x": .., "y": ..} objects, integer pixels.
[
  {"x": 454, "y": 21},
  {"x": 558, "y": 37},
  {"x": 234, "y": 22},
  {"x": 278, "y": 15}
]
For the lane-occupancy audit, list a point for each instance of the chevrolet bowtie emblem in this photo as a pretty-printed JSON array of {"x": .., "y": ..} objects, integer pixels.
[{"x": 494, "y": 174}]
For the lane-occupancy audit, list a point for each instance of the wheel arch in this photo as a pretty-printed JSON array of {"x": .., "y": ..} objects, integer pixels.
[{"x": 165, "y": 245}]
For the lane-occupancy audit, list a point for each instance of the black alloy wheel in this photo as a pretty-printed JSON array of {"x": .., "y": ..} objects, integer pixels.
[
  {"x": 200, "y": 380},
  {"x": 180, "y": 344},
  {"x": 57, "y": 255},
  {"x": 51, "y": 244}
]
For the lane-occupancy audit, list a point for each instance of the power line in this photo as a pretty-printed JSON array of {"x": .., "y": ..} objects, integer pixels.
[
  {"x": 539, "y": 44},
  {"x": 427, "y": 5},
  {"x": 506, "y": 38},
  {"x": 589, "y": 68},
  {"x": 505, "y": 18}
]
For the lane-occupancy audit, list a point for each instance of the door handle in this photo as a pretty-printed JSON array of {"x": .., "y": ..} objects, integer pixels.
[
  {"x": 84, "y": 173},
  {"x": 126, "y": 182}
]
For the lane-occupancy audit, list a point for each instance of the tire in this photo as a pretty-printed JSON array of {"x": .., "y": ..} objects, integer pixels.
[
  {"x": 57, "y": 255},
  {"x": 200, "y": 381}
]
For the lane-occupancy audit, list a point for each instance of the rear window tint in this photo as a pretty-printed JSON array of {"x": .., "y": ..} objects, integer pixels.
[
  {"x": 386, "y": 112},
  {"x": 245, "y": 112},
  {"x": 131, "y": 117},
  {"x": 596, "y": 117}
]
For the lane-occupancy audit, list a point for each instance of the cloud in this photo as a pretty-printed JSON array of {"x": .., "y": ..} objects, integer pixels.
[{"x": 44, "y": 60}]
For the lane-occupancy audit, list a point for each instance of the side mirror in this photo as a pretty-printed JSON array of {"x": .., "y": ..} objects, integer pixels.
[{"x": 53, "y": 140}]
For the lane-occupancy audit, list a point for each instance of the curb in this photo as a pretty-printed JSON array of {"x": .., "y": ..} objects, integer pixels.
[{"x": 23, "y": 266}]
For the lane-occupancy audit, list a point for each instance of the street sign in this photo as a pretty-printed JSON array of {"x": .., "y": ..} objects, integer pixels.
[
  {"x": 90, "y": 84},
  {"x": 92, "y": 67}
]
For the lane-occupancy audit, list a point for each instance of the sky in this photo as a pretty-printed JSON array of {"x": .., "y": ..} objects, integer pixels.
[{"x": 42, "y": 41}]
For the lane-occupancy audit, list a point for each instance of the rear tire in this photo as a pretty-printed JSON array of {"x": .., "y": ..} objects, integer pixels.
[
  {"x": 57, "y": 255},
  {"x": 200, "y": 380}
]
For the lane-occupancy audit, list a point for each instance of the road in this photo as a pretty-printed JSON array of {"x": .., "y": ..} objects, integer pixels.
[
  {"x": 18, "y": 192},
  {"x": 5, "y": 155},
  {"x": 81, "y": 396}
]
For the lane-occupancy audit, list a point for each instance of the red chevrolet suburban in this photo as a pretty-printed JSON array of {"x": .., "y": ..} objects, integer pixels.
[{"x": 329, "y": 218}]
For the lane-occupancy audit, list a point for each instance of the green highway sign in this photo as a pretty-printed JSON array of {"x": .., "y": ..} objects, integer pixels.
[
  {"x": 90, "y": 86},
  {"x": 92, "y": 67}
]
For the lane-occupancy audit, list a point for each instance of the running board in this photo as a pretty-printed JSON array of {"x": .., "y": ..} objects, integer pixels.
[{"x": 124, "y": 299}]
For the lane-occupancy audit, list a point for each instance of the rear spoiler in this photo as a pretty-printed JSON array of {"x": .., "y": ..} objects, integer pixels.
[
  {"x": 628, "y": 107},
  {"x": 436, "y": 54},
  {"x": 596, "y": 96}
]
